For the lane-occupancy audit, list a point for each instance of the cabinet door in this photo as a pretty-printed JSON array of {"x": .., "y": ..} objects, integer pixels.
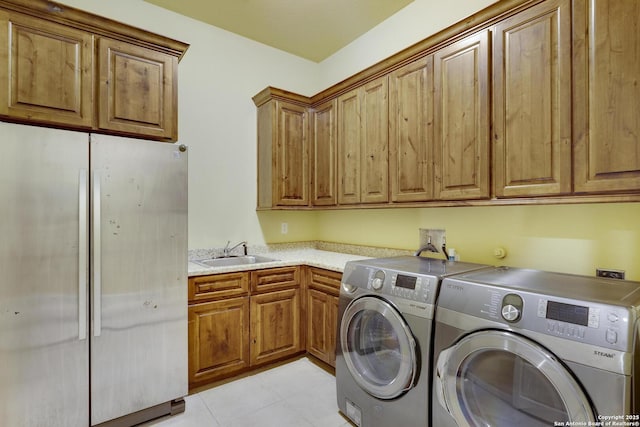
[
  {"x": 46, "y": 73},
  {"x": 461, "y": 150},
  {"x": 411, "y": 131},
  {"x": 291, "y": 155},
  {"x": 137, "y": 90},
  {"x": 349, "y": 148},
  {"x": 606, "y": 93},
  {"x": 322, "y": 313},
  {"x": 275, "y": 326},
  {"x": 318, "y": 323},
  {"x": 323, "y": 154},
  {"x": 374, "y": 117},
  {"x": 363, "y": 144},
  {"x": 532, "y": 101},
  {"x": 218, "y": 339},
  {"x": 322, "y": 323}
]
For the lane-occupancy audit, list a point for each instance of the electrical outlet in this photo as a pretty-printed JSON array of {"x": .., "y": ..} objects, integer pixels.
[
  {"x": 611, "y": 274},
  {"x": 284, "y": 228},
  {"x": 437, "y": 237}
]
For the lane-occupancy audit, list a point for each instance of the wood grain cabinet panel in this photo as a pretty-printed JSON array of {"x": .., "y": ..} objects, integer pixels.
[
  {"x": 138, "y": 90},
  {"x": 363, "y": 144},
  {"x": 349, "y": 163},
  {"x": 46, "y": 73},
  {"x": 322, "y": 313},
  {"x": 226, "y": 285},
  {"x": 462, "y": 119},
  {"x": 273, "y": 279},
  {"x": 532, "y": 102},
  {"x": 218, "y": 339},
  {"x": 275, "y": 326},
  {"x": 283, "y": 152},
  {"x": 411, "y": 132},
  {"x": 323, "y": 154},
  {"x": 606, "y": 86}
]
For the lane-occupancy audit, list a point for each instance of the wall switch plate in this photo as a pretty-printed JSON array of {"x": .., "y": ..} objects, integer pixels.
[
  {"x": 611, "y": 274},
  {"x": 437, "y": 237}
]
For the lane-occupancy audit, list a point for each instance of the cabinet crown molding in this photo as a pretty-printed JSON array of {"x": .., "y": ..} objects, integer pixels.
[
  {"x": 76, "y": 18},
  {"x": 269, "y": 93}
]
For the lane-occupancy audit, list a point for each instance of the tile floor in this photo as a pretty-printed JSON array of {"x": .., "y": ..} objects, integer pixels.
[{"x": 296, "y": 394}]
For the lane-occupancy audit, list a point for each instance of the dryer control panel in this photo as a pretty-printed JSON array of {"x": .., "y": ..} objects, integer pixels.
[
  {"x": 575, "y": 320},
  {"x": 604, "y": 325}
]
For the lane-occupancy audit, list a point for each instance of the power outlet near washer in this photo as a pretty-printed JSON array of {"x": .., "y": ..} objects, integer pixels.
[{"x": 609, "y": 273}]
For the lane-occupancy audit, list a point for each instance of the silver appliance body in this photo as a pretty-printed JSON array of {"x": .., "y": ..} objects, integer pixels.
[
  {"x": 93, "y": 273},
  {"x": 383, "y": 348},
  {"x": 524, "y": 347}
]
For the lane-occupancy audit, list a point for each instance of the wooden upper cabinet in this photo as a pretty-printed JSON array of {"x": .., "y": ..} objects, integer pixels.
[
  {"x": 68, "y": 68},
  {"x": 322, "y": 156},
  {"x": 411, "y": 131},
  {"x": 462, "y": 119},
  {"x": 375, "y": 141},
  {"x": 283, "y": 153},
  {"x": 138, "y": 90},
  {"x": 532, "y": 101},
  {"x": 46, "y": 71},
  {"x": 363, "y": 144},
  {"x": 292, "y": 157},
  {"x": 606, "y": 86},
  {"x": 349, "y": 148}
]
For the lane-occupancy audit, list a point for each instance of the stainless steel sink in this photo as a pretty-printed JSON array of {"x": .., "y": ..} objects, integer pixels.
[{"x": 234, "y": 260}]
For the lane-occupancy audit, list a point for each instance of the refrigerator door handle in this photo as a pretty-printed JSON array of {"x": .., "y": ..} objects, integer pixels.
[
  {"x": 97, "y": 275},
  {"x": 82, "y": 255}
]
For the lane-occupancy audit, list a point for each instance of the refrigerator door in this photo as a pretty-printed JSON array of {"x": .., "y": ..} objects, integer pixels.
[
  {"x": 44, "y": 350},
  {"x": 139, "y": 275}
]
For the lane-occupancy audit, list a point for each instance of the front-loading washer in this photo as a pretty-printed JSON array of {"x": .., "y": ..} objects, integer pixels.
[
  {"x": 532, "y": 348},
  {"x": 383, "y": 349}
]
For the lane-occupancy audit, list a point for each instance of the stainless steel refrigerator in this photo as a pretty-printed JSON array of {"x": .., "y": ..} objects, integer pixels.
[{"x": 93, "y": 278}]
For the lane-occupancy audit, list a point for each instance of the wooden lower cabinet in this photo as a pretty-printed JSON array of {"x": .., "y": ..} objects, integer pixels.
[
  {"x": 241, "y": 320},
  {"x": 275, "y": 326},
  {"x": 218, "y": 339},
  {"x": 322, "y": 313}
]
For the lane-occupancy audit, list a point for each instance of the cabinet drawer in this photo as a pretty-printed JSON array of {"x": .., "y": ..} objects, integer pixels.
[
  {"x": 325, "y": 280},
  {"x": 226, "y": 285},
  {"x": 274, "y": 279}
]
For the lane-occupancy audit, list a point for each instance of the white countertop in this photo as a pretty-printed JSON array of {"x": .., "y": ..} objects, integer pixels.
[{"x": 305, "y": 256}]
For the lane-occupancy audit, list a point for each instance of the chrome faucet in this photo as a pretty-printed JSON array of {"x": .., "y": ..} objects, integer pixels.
[{"x": 227, "y": 250}]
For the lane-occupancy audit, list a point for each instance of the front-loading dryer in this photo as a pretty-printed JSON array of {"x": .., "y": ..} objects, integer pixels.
[
  {"x": 532, "y": 348},
  {"x": 383, "y": 349}
]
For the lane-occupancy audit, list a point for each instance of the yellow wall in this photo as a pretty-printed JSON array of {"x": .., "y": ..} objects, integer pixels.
[{"x": 567, "y": 238}]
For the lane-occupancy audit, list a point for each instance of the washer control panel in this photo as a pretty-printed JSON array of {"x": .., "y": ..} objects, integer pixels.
[{"x": 403, "y": 285}]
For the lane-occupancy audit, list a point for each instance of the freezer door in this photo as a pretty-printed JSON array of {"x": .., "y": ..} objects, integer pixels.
[
  {"x": 44, "y": 352},
  {"x": 139, "y": 275}
]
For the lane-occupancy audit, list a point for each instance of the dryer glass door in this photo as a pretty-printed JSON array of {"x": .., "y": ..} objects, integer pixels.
[
  {"x": 497, "y": 378},
  {"x": 378, "y": 347}
]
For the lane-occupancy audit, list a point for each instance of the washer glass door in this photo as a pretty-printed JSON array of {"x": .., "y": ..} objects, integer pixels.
[
  {"x": 497, "y": 378},
  {"x": 378, "y": 347}
]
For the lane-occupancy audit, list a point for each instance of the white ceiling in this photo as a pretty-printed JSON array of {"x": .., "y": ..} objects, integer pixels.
[{"x": 311, "y": 29}]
